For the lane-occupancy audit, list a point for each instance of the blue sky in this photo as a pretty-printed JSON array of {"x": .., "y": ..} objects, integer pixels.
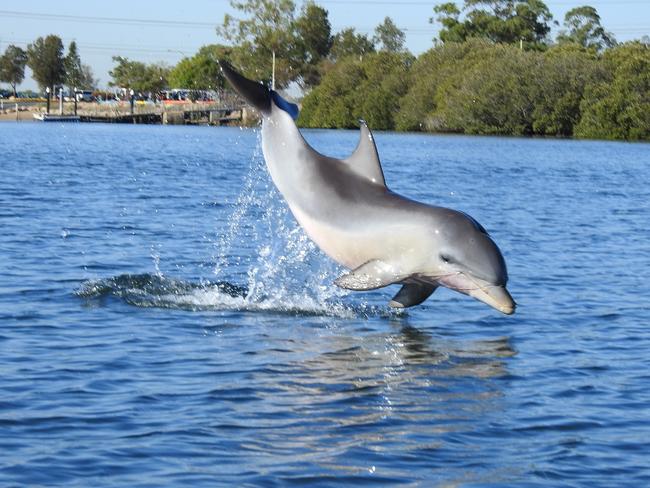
[{"x": 99, "y": 38}]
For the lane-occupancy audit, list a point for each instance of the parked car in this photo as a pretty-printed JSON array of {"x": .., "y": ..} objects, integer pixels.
[{"x": 85, "y": 96}]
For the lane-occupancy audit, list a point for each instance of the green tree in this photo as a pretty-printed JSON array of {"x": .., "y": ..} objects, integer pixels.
[
  {"x": 453, "y": 29},
  {"x": 566, "y": 71},
  {"x": 583, "y": 27},
  {"x": 314, "y": 32},
  {"x": 268, "y": 29},
  {"x": 73, "y": 69},
  {"x": 139, "y": 76},
  {"x": 157, "y": 75},
  {"x": 201, "y": 71},
  {"x": 369, "y": 88},
  {"x": 617, "y": 106},
  {"x": 506, "y": 21},
  {"x": 494, "y": 95},
  {"x": 272, "y": 27},
  {"x": 12, "y": 66},
  {"x": 348, "y": 43},
  {"x": 45, "y": 58},
  {"x": 480, "y": 87},
  {"x": 332, "y": 103},
  {"x": 390, "y": 37},
  {"x": 313, "y": 40},
  {"x": 127, "y": 73},
  {"x": 444, "y": 65},
  {"x": 385, "y": 82}
]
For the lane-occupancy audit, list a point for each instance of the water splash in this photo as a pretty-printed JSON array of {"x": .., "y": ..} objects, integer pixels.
[
  {"x": 263, "y": 261},
  {"x": 284, "y": 268},
  {"x": 245, "y": 202},
  {"x": 153, "y": 290},
  {"x": 156, "y": 290}
]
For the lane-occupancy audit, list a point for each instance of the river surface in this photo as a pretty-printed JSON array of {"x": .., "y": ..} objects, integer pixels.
[{"x": 165, "y": 322}]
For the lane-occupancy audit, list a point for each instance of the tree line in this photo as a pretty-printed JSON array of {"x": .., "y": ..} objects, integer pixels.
[
  {"x": 493, "y": 69},
  {"x": 50, "y": 65},
  {"x": 477, "y": 87},
  {"x": 300, "y": 43}
]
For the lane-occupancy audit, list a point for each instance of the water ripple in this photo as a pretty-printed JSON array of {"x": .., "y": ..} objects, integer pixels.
[{"x": 166, "y": 323}]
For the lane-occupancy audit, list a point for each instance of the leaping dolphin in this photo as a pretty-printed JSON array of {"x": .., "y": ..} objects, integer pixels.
[{"x": 384, "y": 238}]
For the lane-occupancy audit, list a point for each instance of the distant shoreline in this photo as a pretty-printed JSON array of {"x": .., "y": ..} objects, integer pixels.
[
  {"x": 189, "y": 113},
  {"x": 26, "y": 114}
]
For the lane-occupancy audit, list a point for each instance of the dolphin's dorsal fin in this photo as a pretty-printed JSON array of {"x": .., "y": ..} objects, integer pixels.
[{"x": 365, "y": 159}]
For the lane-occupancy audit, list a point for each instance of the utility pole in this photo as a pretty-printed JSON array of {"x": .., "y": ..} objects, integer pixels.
[{"x": 273, "y": 72}]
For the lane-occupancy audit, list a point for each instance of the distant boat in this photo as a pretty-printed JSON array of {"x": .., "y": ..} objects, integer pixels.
[{"x": 57, "y": 118}]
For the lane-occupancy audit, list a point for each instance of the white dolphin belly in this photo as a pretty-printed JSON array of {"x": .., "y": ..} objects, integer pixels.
[
  {"x": 352, "y": 247},
  {"x": 346, "y": 248}
]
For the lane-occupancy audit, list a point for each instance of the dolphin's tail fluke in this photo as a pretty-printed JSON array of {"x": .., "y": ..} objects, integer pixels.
[
  {"x": 254, "y": 93},
  {"x": 258, "y": 95}
]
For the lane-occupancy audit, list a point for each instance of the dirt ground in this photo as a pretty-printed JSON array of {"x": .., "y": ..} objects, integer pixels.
[{"x": 23, "y": 116}]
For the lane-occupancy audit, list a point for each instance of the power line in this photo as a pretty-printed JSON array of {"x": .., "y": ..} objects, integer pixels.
[
  {"x": 95, "y": 48},
  {"x": 107, "y": 20},
  {"x": 139, "y": 22},
  {"x": 211, "y": 25},
  {"x": 433, "y": 3},
  {"x": 191, "y": 24},
  {"x": 102, "y": 48}
]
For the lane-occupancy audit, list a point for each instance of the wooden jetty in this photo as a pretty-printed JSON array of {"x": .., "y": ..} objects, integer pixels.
[
  {"x": 183, "y": 116},
  {"x": 56, "y": 117},
  {"x": 228, "y": 109},
  {"x": 117, "y": 118},
  {"x": 221, "y": 112}
]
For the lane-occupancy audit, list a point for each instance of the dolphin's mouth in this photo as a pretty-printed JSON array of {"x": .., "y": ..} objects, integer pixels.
[{"x": 496, "y": 296}]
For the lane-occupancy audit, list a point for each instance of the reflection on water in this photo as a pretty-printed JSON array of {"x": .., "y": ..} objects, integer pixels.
[{"x": 346, "y": 403}]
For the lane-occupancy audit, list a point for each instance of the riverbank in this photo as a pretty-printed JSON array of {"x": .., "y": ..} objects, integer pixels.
[
  {"x": 195, "y": 114},
  {"x": 22, "y": 116},
  {"x": 224, "y": 112}
]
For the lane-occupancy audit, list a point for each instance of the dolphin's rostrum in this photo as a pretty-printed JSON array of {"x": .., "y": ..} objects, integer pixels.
[{"x": 384, "y": 238}]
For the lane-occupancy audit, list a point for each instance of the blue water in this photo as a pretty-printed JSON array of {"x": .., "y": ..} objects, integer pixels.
[{"x": 164, "y": 322}]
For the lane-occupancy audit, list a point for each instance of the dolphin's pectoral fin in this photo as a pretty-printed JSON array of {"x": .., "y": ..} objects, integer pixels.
[
  {"x": 412, "y": 294},
  {"x": 365, "y": 159},
  {"x": 369, "y": 276}
]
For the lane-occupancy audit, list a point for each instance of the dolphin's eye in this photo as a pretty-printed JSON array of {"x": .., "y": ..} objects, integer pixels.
[{"x": 447, "y": 259}]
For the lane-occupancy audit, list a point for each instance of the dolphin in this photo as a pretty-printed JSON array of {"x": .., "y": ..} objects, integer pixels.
[{"x": 383, "y": 238}]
